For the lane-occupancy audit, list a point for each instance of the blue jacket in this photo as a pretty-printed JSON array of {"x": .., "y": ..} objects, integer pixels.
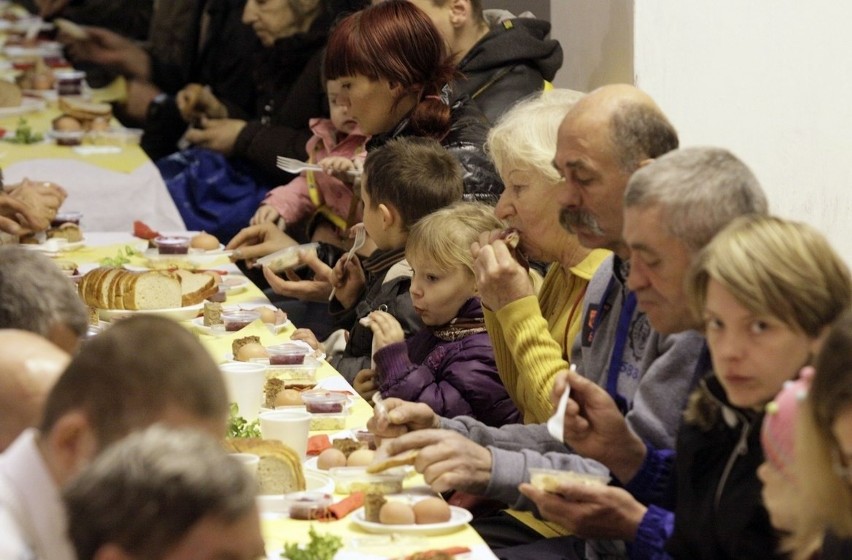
[{"x": 455, "y": 377}]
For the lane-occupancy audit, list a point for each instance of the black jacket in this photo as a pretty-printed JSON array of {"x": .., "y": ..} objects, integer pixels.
[
  {"x": 719, "y": 512},
  {"x": 466, "y": 142},
  {"x": 509, "y": 63}
]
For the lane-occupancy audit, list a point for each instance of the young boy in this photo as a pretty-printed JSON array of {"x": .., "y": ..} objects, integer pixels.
[{"x": 403, "y": 181}]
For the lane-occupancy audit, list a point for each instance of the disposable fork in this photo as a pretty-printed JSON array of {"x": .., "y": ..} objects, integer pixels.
[
  {"x": 295, "y": 166},
  {"x": 360, "y": 239}
]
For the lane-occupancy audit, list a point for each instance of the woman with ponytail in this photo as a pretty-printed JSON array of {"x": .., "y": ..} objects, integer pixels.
[{"x": 394, "y": 69}]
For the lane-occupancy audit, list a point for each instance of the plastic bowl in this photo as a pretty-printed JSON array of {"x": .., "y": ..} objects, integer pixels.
[
  {"x": 287, "y": 354},
  {"x": 67, "y": 138},
  {"x": 287, "y": 258},
  {"x": 172, "y": 245},
  {"x": 237, "y": 320},
  {"x": 356, "y": 479},
  {"x": 550, "y": 479},
  {"x": 324, "y": 402}
]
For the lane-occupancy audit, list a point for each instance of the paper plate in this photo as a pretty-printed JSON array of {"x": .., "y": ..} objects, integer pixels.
[
  {"x": 176, "y": 313},
  {"x": 28, "y": 105},
  {"x": 459, "y": 517},
  {"x": 54, "y": 245}
]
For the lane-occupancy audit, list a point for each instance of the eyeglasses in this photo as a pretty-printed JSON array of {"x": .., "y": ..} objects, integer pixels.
[{"x": 841, "y": 469}]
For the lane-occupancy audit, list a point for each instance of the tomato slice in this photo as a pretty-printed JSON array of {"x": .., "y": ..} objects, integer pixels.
[{"x": 142, "y": 231}]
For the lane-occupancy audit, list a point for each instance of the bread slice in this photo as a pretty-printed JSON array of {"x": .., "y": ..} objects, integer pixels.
[
  {"x": 195, "y": 287},
  {"x": 69, "y": 231},
  {"x": 101, "y": 287},
  {"x": 152, "y": 290},
  {"x": 84, "y": 110},
  {"x": 280, "y": 468}
]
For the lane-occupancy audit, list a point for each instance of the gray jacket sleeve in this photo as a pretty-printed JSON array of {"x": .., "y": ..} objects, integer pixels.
[{"x": 514, "y": 449}]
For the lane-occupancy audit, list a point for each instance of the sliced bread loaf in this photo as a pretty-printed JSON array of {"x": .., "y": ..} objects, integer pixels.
[{"x": 280, "y": 468}]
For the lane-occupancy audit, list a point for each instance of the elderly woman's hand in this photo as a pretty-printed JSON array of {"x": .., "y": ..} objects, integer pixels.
[
  {"x": 196, "y": 101},
  {"x": 218, "y": 135},
  {"x": 42, "y": 195},
  {"x": 18, "y": 217},
  {"x": 500, "y": 278}
]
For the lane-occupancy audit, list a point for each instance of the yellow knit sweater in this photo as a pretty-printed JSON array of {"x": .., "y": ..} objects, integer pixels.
[{"x": 530, "y": 340}]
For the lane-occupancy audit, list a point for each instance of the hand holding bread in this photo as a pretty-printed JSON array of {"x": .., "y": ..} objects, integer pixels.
[{"x": 196, "y": 101}]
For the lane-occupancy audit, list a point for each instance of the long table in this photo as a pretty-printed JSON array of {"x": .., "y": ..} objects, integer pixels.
[
  {"x": 111, "y": 189},
  {"x": 278, "y": 528}
]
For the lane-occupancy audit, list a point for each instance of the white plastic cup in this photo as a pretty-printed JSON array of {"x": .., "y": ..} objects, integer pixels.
[
  {"x": 249, "y": 461},
  {"x": 245, "y": 381},
  {"x": 287, "y": 426}
]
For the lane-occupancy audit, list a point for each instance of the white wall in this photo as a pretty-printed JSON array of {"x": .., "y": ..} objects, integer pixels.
[
  {"x": 768, "y": 79},
  {"x": 597, "y": 38}
]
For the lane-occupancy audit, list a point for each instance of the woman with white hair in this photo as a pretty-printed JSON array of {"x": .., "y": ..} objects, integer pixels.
[{"x": 532, "y": 333}]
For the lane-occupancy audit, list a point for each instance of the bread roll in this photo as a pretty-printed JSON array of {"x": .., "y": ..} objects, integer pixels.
[{"x": 10, "y": 94}]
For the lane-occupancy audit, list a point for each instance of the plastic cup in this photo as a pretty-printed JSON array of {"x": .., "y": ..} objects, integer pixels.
[
  {"x": 69, "y": 82},
  {"x": 245, "y": 381},
  {"x": 248, "y": 461},
  {"x": 287, "y": 426}
]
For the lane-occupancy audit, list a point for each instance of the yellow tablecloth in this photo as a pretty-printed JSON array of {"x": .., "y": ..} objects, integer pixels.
[
  {"x": 111, "y": 189},
  {"x": 277, "y": 529}
]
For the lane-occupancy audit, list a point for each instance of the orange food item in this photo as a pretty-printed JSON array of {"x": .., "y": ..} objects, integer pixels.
[{"x": 318, "y": 443}]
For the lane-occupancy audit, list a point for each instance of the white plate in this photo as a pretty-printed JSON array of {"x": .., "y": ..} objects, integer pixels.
[
  {"x": 43, "y": 49},
  {"x": 54, "y": 245},
  {"x": 459, "y": 517},
  {"x": 314, "y": 482},
  {"x": 234, "y": 283},
  {"x": 47, "y": 94},
  {"x": 28, "y": 105},
  {"x": 176, "y": 313},
  {"x": 198, "y": 323}
]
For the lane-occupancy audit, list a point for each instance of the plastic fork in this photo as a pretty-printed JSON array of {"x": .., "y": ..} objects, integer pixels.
[
  {"x": 295, "y": 166},
  {"x": 360, "y": 239}
]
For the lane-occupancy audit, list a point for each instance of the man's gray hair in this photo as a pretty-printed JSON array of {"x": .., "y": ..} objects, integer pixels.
[
  {"x": 639, "y": 132},
  {"x": 145, "y": 492},
  {"x": 36, "y": 295},
  {"x": 700, "y": 190}
]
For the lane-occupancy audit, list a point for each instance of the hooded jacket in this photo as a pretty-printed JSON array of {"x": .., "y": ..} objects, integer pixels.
[
  {"x": 450, "y": 369},
  {"x": 509, "y": 63}
]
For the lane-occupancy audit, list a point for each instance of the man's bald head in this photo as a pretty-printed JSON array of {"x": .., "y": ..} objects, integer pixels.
[
  {"x": 602, "y": 140},
  {"x": 29, "y": 366}
]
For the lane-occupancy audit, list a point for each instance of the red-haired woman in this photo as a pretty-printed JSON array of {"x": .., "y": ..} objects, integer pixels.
[{"x": 394, "y": 69}]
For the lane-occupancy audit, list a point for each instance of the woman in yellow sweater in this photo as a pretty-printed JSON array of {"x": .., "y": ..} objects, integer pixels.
[{"x": 532, "y": 334}]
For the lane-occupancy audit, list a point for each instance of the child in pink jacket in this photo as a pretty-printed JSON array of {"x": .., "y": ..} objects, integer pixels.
[{"x": 337, "y": 145}]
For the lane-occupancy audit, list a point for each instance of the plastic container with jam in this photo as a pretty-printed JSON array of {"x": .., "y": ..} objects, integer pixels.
[
  {"x": 324, "y": 402},
  {"x": 237, "y": 320},
  {"x": 69, "y": 82},
  {"x": 172, "y": 245},
  {"x": 288, "y": 354},
  {"x": 66, "y": 217}
]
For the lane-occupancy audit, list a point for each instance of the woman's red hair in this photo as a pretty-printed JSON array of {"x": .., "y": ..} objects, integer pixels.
[{"x": 394, "y": 40}]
